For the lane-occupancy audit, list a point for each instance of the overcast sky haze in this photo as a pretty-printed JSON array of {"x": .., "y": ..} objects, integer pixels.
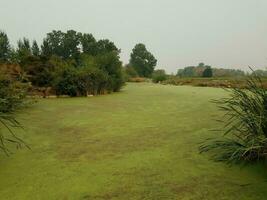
[{"x": 221, "y": 33}]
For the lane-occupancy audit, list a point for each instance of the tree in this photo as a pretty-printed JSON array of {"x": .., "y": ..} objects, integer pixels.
[
  {"x": 35, "y": 48},
  {"x": 53, "y": 44},
  {"x": 106, "y": 46},
  {"x": 5, "y": 48},
  {"x": 207, "y": 72},
  {"x": 71, "y": 62},
  {"x": 23, "y": 50},
  {"x": 142, "y": 61},
  {"x": 70, "y": 43},
  {"x": 89, "y": 44},
  {"x": 64, "y": 45}
]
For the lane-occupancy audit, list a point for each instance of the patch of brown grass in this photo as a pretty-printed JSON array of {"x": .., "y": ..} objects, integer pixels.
[
  {"x": 76, "y": 145},
  {"x": 137, "y": 80}
]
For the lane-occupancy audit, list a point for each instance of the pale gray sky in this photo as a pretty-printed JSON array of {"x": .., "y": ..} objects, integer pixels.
[{"x": 223, "y": 33}]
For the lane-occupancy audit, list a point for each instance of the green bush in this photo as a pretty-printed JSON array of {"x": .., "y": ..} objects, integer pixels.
[
  {"x": 66, "y": 81},
  {"x": 245, "y": 125},
  {"x": 159, "y": 76},
  {"x": 111, "y": 64}
]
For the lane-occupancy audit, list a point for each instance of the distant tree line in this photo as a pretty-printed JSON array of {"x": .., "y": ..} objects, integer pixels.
[
  {"x": 71, "y": 63},
  {"x": 260, "y": 73},
  {"x": 202, "y": 70}
]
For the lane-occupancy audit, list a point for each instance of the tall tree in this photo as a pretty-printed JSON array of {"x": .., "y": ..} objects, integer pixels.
[
  {"x": 65, "y": 45},
  {"x": 106, "y": 46},
  {"x": 35, "y": 48},
  {"x": 70, "y": 43},
  {"x": 23, "y": 50},
  {"x": 142, "y": 61},
  {"x": 89, "y": 44},
  {"x": 5, "y": 48},
  {"x": 53, "y": 44}
]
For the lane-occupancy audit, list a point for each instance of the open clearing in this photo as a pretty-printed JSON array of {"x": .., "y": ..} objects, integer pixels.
[{"x": 141, "y": 143}]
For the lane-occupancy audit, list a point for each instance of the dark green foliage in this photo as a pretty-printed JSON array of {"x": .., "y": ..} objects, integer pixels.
[
  {"x": 159, "y": 76},
  {"x": 89, "y": 44},
  {"x": 5, "y": 48},
  {"x": 35, "y": 48},
  {"x": 95, "y": 75},
  {"x": 72, "y": 44},
  {"x": 66, "y": 81},
  {"x": 53, "y": 44},
  {"x": 39, "y": 70},
  {"x": 207, "y": 73},
  {"x": 245, "y": 125},
  {"x": 63, "y": 45},
  {"x": 93, "y": 81},
  {"x": 64, "y": 60},
  {"x": 23, "y": 50},
  {"x": 12, "y": 95},
  {"x": 106, "y": 46},
  {"x": 203, "y": 70},
  {"x": 110, "y": 63},
  {"x": 81, "y": 82},
  {"x": 142, "y": 61}
]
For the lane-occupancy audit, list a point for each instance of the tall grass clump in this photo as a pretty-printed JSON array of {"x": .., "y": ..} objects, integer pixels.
[{"x": 244, "y": 128}]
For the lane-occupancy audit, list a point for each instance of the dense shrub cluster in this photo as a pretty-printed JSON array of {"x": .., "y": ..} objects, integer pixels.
[{"x": 70, "y": 62}]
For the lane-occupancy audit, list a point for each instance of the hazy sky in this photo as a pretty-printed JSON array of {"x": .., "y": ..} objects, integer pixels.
[{"x": 222, "y": 33}]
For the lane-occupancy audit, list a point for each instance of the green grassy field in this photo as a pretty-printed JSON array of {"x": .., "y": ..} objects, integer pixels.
[{"x": 141, "y": 143}]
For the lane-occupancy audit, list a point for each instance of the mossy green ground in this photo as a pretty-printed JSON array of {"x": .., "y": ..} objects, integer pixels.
[{"x": 141, "y": 143}]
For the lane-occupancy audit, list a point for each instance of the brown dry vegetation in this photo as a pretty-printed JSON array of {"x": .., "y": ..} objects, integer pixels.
[{"x": 210, "y": 82}]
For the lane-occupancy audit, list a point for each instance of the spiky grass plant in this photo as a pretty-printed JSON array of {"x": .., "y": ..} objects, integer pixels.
[
  {"x": 244, "y": 129},
  {"x": 7, "y": 135}
]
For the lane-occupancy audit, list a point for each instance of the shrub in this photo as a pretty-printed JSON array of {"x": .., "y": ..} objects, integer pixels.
[
  {"x": 39, "y": 70},
  {"x": 66, "y": 81},
  {"x": 159, "y": 76},
  {"x": 245, "y": 125},
  {"x": 92, "y": 80},
  {"x": 111, "y": 64}
]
